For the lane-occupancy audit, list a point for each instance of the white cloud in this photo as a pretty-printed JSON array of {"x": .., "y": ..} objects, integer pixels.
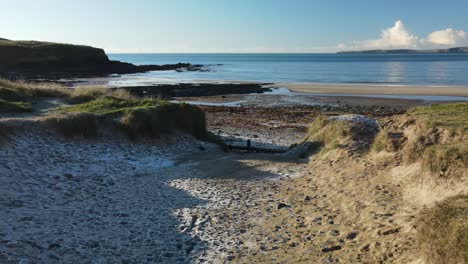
[
  {"x": 447, "y": 37},
  {"x": 398, "y": 37}
]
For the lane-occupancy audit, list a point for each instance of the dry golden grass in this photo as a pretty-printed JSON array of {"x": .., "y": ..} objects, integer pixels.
[
  {"x": 333, "y": 134},
  {"x": 435, "y": 135},
  {"x": 24, "y": 91},
  {"x": 443, "y": 233},
  {"x": 88, "y": 93},
  {"x": 18, "y": 96},
  {"x": 447, "y": 160}
]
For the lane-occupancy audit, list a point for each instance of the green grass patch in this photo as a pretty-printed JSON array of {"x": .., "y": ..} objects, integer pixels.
[
  {"x": 443, "y": 233},
  {"x": 14, "y": 107},
  {"x": 451, "y": 116},
  {"x": 110, "y": 105}
]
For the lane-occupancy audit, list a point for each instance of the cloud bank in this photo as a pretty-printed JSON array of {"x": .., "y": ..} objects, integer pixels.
[
  {"x": 398, "y": 37},
  {"x": 446, "y": 37}
]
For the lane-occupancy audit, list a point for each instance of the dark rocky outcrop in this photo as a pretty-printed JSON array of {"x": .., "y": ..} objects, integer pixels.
[
  {"x": 34, "y": 59},
  {"x": 170, "y": 91}
]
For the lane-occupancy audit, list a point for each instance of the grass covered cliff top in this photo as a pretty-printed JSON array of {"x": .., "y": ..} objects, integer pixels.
[{"x": 29, "y": 53}]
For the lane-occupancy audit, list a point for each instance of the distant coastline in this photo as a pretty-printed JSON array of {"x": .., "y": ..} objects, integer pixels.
[{"x": 408, "y": 51}]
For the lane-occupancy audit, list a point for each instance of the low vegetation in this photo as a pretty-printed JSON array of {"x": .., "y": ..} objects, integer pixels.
[
  {"x": 146, "y": 117},
  {"x": 446, "y": 161},
  {"x": 23, "y": 91},
  {"x": 333, "y": 134},
  {"x": 82, "y": 125},
  {"x": 17, "y": 107},
  {"x": 18, "y": 96},
  {"x": 163, "y": 118},
  {"x": 89, "y": 106},
  {"x": 448, "y": 116},
  {"x": 443, "y": 234},
  {"x": 105, "y": 105},
  {"x": 436, "y": 135}
]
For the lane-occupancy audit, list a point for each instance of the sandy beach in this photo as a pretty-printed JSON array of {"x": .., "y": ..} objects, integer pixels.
[{"x": 375, "y": 89}]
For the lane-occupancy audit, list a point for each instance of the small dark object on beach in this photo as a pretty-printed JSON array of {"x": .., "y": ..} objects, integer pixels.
[
  {"x": 282, "y": 205},
  {"x": 249, "y": 143}
]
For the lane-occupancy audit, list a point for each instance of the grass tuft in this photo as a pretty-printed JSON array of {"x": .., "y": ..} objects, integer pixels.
[
  {"x": 334, "y": 134},
  {"x": 86, "y": 94},
  {"x": 443, "y": 233},
  {"x": 10, "y": 107},
  {"x": 23, "y": 91},
  {"x": 451, "y": 160},
  {"x": 164, "y": 118},
  {"x": 17, "y": 96},
  {"x": 82, "y": 125},
  {"x": 109, "y": 105},
  {"x": 449, "y": 116}
]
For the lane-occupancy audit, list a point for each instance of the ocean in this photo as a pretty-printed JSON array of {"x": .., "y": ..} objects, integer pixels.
[{"x": 380, "y": 69}]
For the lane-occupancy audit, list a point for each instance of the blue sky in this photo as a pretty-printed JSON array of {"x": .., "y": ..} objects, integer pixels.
[{"x": 238, "y": 25}]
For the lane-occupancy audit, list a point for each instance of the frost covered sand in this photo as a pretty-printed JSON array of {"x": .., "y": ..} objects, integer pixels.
[{"x": 114, "y": 201}]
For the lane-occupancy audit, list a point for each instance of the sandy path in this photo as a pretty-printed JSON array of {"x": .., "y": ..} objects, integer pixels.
[{"x": 376, "y": 89}]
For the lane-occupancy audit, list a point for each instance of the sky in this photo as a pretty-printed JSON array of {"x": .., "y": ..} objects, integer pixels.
[{"x": 238, "y": 26}]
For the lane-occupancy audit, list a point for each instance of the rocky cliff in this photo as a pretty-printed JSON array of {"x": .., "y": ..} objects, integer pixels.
[{"x": 34, "y": 59}]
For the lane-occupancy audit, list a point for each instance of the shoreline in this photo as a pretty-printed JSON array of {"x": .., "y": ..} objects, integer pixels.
[{"x": 372, "y": 89}]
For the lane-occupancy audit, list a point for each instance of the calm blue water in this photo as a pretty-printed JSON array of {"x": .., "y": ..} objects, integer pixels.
[{"x": 427, "y": 69}]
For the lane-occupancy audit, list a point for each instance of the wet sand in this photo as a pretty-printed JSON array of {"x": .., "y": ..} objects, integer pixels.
[{"x": 375, "y": 89}]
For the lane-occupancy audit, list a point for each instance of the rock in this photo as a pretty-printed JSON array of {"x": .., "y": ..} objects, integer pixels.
[
  {"x": 68, "y": 176},
  {"x": 307, "y": 198},
  {"x": 365, "y": 248},
  {"x": 334, "y": 232},
  {"x": 330, "y": 249},
  {"x": 388, "y": 231},
  {"x": 169, "y": 91},
  {"x": 53, "y": 246},
  {"x": 92, "y": 244},
  {"x": 351, "y": 235},
  {"x": 282, "y": 205}
]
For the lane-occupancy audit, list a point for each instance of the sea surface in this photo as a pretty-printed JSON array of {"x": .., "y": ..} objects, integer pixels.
[{"x": 376, "y": 69}]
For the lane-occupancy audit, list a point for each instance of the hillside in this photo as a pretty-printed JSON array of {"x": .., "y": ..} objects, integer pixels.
[{"x": 408, "y": 51}]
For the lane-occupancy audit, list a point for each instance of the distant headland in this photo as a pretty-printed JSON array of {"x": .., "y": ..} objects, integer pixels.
[
  {"x": 48, "y": 60},
  {"x": 408, "y": 51}
]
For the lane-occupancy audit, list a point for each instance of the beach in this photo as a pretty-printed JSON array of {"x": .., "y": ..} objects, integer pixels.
[
  {"x": 176, "y": 163},
  {"x": 369, "y": 89}
]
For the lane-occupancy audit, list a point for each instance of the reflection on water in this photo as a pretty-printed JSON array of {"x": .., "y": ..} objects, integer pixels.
[
  {"x": 395, "y": 71},
  {"x": 439, "y": 70}
]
